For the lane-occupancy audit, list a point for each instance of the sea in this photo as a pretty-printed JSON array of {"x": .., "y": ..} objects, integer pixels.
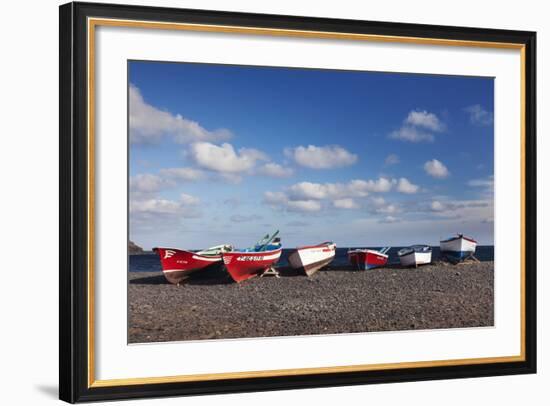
[{"x": 149, "y": 261}]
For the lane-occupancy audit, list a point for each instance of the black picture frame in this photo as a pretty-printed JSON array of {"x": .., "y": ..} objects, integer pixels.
[{"x": 74, "y": 385}]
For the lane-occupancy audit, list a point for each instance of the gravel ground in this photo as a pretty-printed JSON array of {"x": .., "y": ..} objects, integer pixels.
[{"x": 333, "y": 301}]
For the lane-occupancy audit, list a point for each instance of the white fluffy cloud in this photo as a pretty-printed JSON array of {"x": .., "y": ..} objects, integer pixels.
[
  {"x": 347, "y": 203},
  {"x": 418, "y": 126},
  {"x": 310, "y": 190},
  {"x": 185, "y": 207},
  {"x": 405, "y": 186},
  {"x": 483, "y": 183},
  {"x": 424, "y": 119},
  {"x": 389, "y": 219},
  {"x": 468, "y": 209},
  {"x": 189, "y": 200},
  {"x": 378, "y": 205},
  {"x": 391, "y": 159},
  {"x": 183, "y": 174},
  {"x": 478, "y": 115},
  {"x": 155, "y": 206},
  {"x": 437, "y": 206},
  {"x": 310, "y": 196},
  {"x": 353, "y": 188},
  {"x": 436, "y": 169},
  {"x": 304, "y": 205},
  {"x": 224, "y": 158},
  {"x": 146, "y": 183},
  {"x": 275, "y": 170},
  {"x": 381, "y": 185},
  {"x": 326, "y": 157},
  {"x": 411, "y": 134},
  {"x": 388, "y": 209},
  {"x": 280, "y": 201},
  {"x": 378, "y": 201},
  {"x": 148, "y": 124},
  {"x": 275, "y": 199}
]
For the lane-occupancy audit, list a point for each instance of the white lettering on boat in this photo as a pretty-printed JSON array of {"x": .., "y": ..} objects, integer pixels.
[
  {"x": 168, "y": 253},
  {"x": 250, "y": 258}
]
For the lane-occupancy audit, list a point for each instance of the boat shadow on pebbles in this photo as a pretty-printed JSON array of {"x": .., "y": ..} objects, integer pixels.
[
  {"x": 339, "y": 268},
  {"x": 149, "y": 280},
  {"x": 221, "y": 277},
  {"x": 210, "y": 278},
  {"x": 205, "y": 277},
  {"x": 288, "y": 271}
]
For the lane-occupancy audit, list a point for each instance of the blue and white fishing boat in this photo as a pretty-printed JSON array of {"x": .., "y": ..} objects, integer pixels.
[
  {"x": 415, "y": 255},
  {"x": 458, "y": 248}
]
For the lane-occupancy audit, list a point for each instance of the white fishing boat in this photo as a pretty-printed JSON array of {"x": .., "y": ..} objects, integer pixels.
[
  {"x": 458, "y": 248},
  {"x": 415, "y": 255},
  {"x": 311, "y": 258}
]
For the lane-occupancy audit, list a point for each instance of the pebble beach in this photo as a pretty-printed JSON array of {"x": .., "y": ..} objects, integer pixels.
[{"x": 332, "y": 301}]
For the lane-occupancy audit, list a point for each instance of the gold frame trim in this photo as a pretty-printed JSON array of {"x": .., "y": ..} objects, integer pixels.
[{"x": 94, "y": 22}]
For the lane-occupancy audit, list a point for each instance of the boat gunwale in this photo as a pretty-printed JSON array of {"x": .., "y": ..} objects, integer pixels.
[
  {"x": 367, "y": 251},
  {"x": 252, "y": 252},
  {"x": 194, "y": 253},
  {"x": 411, "y": 250},
  {"x": 458, "y": 237},
  {"x": 323, "y": 244}
]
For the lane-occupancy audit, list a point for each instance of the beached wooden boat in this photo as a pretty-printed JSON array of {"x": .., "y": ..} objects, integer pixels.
[
  {"x": 415, "y": 255},
  {"x": 458, "y": 248},
  {"x": 243, "y": 264},
  {"x": 313, "y": 257},
  {"x": 177, "y": 264},
  {"x": 367, "y": 259}
]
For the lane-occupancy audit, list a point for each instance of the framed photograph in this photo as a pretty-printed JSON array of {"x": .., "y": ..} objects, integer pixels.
[{"x": 257, "y": 202}]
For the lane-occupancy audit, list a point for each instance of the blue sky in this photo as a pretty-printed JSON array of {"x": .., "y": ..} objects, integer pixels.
[{"x": 226, "y": 154}]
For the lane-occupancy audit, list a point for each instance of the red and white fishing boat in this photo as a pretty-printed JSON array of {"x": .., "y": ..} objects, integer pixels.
[
  {"x": 313, "y": 257},
  {"x": 247, "y": 263},
  {"x": 177, "y": 265},
  {"x": 367, "y": 259}
]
